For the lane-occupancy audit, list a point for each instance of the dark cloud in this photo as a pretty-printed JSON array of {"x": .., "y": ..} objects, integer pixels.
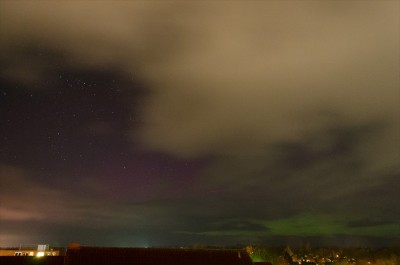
[
  {"x": 240, "y": 225},
  {"x": 367, "y": 223}
]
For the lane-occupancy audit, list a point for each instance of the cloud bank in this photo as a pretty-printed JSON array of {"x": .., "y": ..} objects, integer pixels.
[{"x": 226, "y": 78}]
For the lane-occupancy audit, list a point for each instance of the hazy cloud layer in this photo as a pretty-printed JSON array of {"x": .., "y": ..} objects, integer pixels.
[
  {"x": 264, "y": 72},
  {"x": 226, "y": 76}
]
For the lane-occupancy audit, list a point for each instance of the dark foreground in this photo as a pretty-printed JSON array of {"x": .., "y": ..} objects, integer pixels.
[
  {"x": 77, "y": 255},
  {"x": 136, "y": 256},
  {"x": 11, "y": 260}
]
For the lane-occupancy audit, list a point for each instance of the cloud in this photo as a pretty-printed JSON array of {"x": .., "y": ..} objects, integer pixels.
[
  {"x": 23, "y": 198},
  {"x": 267, "y": 72},
  {"x": 302, "y": 225},
  {"x": 325, "y": 225},
  {"x": 74, "y": 209},
  {"x": 326, "y": 173},
  {"x": 20, "y": 215},
  {"x": 224, "y": 78}
]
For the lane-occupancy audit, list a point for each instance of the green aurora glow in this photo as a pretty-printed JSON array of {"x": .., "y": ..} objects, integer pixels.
[{"x": 308, "y": 225}]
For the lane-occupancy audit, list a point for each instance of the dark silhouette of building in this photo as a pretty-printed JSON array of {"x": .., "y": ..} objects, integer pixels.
[
  {"x": 77, "y": 255},
  {"x": 154, "y": 256}
]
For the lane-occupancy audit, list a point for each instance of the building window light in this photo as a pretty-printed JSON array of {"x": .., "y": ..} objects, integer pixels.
[{"x": 40, "y": 254}]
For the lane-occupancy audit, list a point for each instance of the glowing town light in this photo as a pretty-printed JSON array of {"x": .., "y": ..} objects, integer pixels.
[{"x": 40, "y": 254}]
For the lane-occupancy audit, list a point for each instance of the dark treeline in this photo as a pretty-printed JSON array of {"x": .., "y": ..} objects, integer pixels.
[{"x": 304, "y": 254}]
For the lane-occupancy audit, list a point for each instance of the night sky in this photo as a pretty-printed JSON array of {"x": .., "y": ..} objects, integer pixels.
[{"x": 140, "y": 123}]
